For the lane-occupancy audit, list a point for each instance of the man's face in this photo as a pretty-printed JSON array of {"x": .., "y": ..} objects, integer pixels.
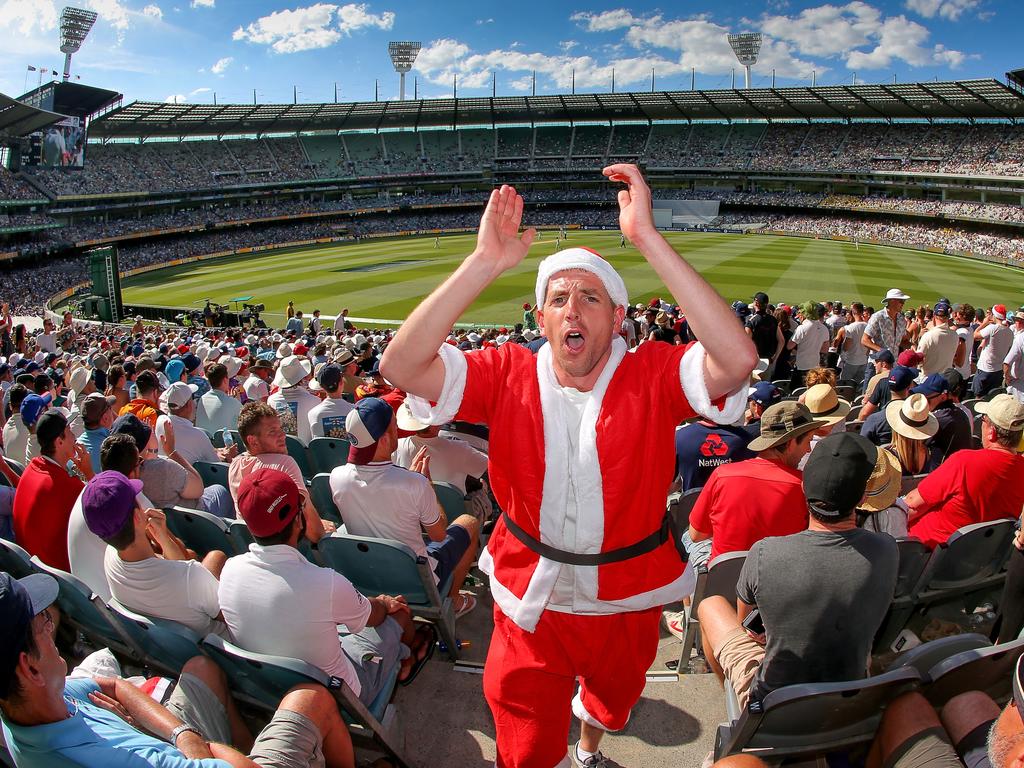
[
  {"x": 895, "y": 305},
  {"x": 270, "y": 437},
  {"x": 1006, "y": 740},
  {"x": 48, "y": 665},
  {"x": 579, "y": 320}
]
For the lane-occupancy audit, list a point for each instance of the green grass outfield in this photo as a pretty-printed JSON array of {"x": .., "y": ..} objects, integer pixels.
[{"x": 385, "y": 279}]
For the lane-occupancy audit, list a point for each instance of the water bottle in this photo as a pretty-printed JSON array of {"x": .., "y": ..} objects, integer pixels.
[{"x": 229, "y": 439}]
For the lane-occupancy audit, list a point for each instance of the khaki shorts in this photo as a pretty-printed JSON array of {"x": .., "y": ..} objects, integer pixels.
[
  {"x": 194, "y": 703},
  {"x": 740, "y": 657},
  {"x": 290, "y": 740},
  {"x": 930, "y": 748}
]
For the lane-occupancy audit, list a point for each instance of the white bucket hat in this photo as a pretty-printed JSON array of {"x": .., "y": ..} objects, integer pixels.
[
  {"x": 292, "y": 370},
  {"x": 283, "y": 351},
  {"x": 895, "y": 293}
]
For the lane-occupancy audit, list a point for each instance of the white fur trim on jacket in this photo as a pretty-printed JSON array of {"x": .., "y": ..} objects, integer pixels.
[
  {"x": 454, "y": 388},
  {"x": 691, "y": 376}
]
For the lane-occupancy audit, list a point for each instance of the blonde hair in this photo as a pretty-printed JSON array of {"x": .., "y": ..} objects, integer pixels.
[
  {"x": 821, "y": 376},
  {"x": 912, "y": 454}
]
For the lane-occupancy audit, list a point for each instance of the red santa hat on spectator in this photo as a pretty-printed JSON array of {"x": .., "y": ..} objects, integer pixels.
[{"x": 588, "y": 261}]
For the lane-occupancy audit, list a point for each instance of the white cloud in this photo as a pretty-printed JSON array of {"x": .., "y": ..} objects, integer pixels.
[
  {"x": 28, "y": 17},
  {"x": 197, "y": 91},
  {"x": 203, "y": 3},
  {"x": 481, "y": 22},
  {"x": 221, "y": 65},
  {"x": 898, "y": 38},
  {"x": 606, "y": 21},
  {"x": 178, "y": 98},
  {"x": 947, "y": 9},
  {"x": 311, "y": 27},
  {"x": 153, "y": 11}
]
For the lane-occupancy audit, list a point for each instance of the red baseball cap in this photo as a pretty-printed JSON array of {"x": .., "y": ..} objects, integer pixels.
[
  {"x": 909, "y": 358},
  {"x": 268, "y": 501},
  {"x": 182, "y": 349}
]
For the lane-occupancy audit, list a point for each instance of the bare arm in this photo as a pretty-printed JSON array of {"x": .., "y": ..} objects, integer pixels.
[
  {"x": 193, "y": 482},
  {"x": 914, "y": 502},
  {"x": 411, "y": 361},
  {"x": 730, "y": 354},
  {"x": 867, "y": 342},
  {"x": 696, "y": 535}
]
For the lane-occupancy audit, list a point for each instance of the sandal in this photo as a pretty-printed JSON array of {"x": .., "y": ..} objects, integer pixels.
[
  {"x": 468, "y": 604},
  {"x": 428, "y": 635}
]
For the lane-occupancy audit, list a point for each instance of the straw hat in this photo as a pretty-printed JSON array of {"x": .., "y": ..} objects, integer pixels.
[
  {"x": 293, "y": 370},
  {"x": 884, "y": 483},
  {"x": 911, "y": 418},
  {"x": 824, "y": 403}
]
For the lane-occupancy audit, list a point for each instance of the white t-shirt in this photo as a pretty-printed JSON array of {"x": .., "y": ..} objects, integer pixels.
[
  {"x": 1015, "y": 359},
  {"x": 572, "y": 402},
  {"x": 86, "y": 550},
  {"x": 217, "y": 410},
  {"x": 47, "y": 342},
  {"x": 999, "y": 337},
  {"x": 256, "y": 388},
  {"x": 386, "y": 502},
  {"x": 294, "y": 405},
  {"x": 275, "y": 601},
  {"x": 856, "y": 353},
  {"x": 965, "y": 369},
  {"x": 191, "y": 443},
  {"x": 328, "y": 418},
  {"x": 175, "y": 590},
  {"x": 16, "y": 436},
  {"x": 451, "y": 460},
  {"x": 809, "y": 338}
]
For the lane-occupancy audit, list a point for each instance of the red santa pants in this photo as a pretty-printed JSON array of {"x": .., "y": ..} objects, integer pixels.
[{"x": 530, "y": 677}]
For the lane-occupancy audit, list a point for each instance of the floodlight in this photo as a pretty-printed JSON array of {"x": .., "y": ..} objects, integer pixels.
[
  {"x": 403, "y": 56},
  {"x": 746, "y": 46},
  {"x": 75, "y": 25}
]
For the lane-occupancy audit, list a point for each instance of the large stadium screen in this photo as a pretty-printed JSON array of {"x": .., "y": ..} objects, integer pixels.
[{"x": 59, "y": 146}]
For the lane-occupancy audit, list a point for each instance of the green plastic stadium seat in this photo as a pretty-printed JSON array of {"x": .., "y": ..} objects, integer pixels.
[
  {"x": 166, "y": 644},
  {"x": 200, "y": 530},
  {"x": 15, "y": 560},
  {"x": 212, "y": 473},
  {"x": 451, "y": 499},
  {"x": 298, "y": 452},
  {"x": 320, "y": 492},
  {"x": 326, "y": 453}
]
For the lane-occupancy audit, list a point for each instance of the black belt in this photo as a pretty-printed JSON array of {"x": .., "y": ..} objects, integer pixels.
[{"x": 642, "y": 547}]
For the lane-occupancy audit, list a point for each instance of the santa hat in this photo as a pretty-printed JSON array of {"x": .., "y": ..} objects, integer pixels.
[
  {"x": 588, "y": 261},
  {"x": 999, "y": 311}
]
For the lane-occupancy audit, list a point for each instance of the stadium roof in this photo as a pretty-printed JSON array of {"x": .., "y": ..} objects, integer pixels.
[
  {"x": 964, "y": 100},
  {"x": 17, "y": 119},
  {"x": 73, "y": 99}
]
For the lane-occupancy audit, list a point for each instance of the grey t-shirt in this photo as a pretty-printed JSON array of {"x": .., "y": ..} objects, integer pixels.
[
  {"x": 822, "y": 597},
  {"x": 163, "y": 480}
]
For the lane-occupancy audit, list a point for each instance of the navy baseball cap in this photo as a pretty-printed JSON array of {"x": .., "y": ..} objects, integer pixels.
[
  {"x": 329, "y": 377},
  {"x": 942, "y": 308},
  {"x": 367, "y": 422},
  {"x": 21, "y": 600},
  {"x": 883, "y": 356},
  {"x": 936, "y": 384},
  {"x": 902, "y": 377},
  {"x": 764, "y": 393},
  {"x": 130, "y": 424}
]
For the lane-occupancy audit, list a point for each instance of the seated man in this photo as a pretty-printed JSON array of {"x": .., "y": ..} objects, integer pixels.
[
  {"x": 974, "y": 486},
  {"x": 293, "y": 400},
  {"x": 452, "y": 460},
  {"x": 97, "y": 417},
  {"x": 816, "y": 630},
  {"x": 216, "y": 409},
  {"x": 328, "y": 418},
  {"x": 762, "y": 396},
  {"x": 275, "y": 601},
  {"x": 747, "y": 500},
  {"x": 49, "y": 720},
  {"x": 263, "y": 441},
  {"x": 703, "y": 445},
  {"x": 954, "y": 424},
  {"x": 388, "y": 502},
  {"x": 191, "y": 442},
  {"x": 169, "y": 585},
  {"x": 876, "y": 427}
]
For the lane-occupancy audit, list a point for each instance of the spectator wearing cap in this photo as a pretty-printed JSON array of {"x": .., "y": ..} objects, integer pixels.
[
  {"x": 98, "y": 417},
  {"x": 954, "y": 421},
  {"x": 386, "y": 501},
  {"x": 80, "y": 386},
  {"x": 32, "y": 408},
  {"x": 346, "y": 360},
  {"x": 1013, "y": 363},
  {"x": 217, "y": 409},
  {"x": 940, "y": 346},
  {"x": 276, "y": 601},
  {"x": 887, "y": 328},
  {"x": 881, "y": 390},
  {"x": 761, "y": 396},
  {"x": 974, "y": 486},
  {"x": 825, "y": 406},
  {"x": 145, "y": 406},
  {"x": 745, "y": 501},
  {"x": 16, "y": 432},
  {"x": 46, "y": 492},
  {"x": 192, "y": 443},
  {"x": 91, "y": 722},
  {"x": 263, "y": 442},
  {"x": 764, "y": 331},
  {"x": 810, "y": 341},
  {"x": 875, "y": 426},
  {"x": 174, "y": 371},
  {"x": 169, "y": 585},
  {"x": 703, "y": 445},
  {"x": 328, "y": 418},
  {"x": 452, "y": 460},
  {"x": 853, "y": 355},
  {"x": 257, "y": 385},
  {"x": 373, "y": 384},
  {"x": 815, "y": 630},
  {"x": 911, "y": 427},
  {"x": 995, "y": 339},
  {"x": 882, "y": 363},
  {"x": 293, "y": 400},
  {"x": 194, "y": 373},
  {"x": 169, "y": 480}
]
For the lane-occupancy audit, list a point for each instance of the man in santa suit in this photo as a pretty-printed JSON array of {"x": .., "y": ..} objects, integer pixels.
[{"x": 581, "y": 562}]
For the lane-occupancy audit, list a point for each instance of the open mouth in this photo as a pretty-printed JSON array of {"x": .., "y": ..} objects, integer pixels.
[{"x": 574, "y": 340}]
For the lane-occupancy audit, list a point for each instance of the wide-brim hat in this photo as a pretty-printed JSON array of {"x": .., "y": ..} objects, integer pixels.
[
  {"x": 292, "y": 370},
  {"x": 884, "y": 483},
  {"x": 895, "y": 293},
  {"x": 784, "y": 421},
  {"x": 911, "y": 418},
  {"x": 406, "y": 421},
  {"x": 824, "y": 403}
]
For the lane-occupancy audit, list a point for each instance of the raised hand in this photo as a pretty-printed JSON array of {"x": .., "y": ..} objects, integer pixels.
[
  {"x": 167, "y": 438},
  {"x": 498, "y": 239},
  {"x": 636, "y": 219}
]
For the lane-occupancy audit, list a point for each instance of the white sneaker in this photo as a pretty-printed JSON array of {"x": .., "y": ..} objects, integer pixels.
[
  {"x": 675, "y": 621},
  {"x": 596, "y": 760}
]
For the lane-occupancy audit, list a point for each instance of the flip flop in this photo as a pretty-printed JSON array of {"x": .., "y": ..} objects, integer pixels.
[
  {"x": 430, "y": 633},
  {"x": 468, "y": 604}
]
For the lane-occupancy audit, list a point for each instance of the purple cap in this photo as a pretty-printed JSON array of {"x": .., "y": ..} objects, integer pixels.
[{"x": 108, "y": 501}]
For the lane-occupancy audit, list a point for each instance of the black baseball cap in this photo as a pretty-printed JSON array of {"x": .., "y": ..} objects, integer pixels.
[
  {"x": 21, "y": 600},
  {"x": 836, "y": 474},
  {"x": 761, "y": 298}
]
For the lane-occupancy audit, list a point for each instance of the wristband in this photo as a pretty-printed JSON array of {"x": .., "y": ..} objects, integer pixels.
[{"x": 182, "y": 729}]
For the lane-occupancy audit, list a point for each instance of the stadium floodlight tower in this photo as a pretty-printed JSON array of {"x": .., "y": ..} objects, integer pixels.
[
  {"x": 746, "y": 46},
  {"x": 403, "y": 56},
  {"x": 75, "y": 25}
]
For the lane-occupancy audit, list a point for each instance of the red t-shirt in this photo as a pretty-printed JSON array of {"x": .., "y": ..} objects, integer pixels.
[
  {"x": 746, "y": 501},
  {"x": 969, "y": 487},
  {"x": 42, "y": 505}
]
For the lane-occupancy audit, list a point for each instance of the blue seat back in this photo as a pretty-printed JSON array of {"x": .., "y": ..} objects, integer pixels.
[
  {"x": 375, "y": 566},
  {"x": 240, "y": 535},
  {"x": 200, "y": 530},
  {"x": 15, "y": 560},
  {"x": 167, "y": 644},
  {"x": 298, "y": 452},
  {"x": 326, "y": 453},
  {"x": 212, "y": 473},
  {"x": 451, "y": 499},
  {"x": 320, "y": 492}
]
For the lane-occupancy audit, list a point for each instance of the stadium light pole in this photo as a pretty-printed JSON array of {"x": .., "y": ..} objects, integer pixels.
[
  {"x": 746, "y": 46},
  {"x": 75, "y": 25},
  {"x": 403, "y": 55}
]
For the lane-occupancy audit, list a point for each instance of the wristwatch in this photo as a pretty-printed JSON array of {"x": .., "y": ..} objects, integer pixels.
[{"x": 182, "y": 729}]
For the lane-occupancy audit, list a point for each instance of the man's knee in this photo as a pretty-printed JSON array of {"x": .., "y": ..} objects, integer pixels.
[
  {"x": 471, "y": 525},
  {"x": 965, "y": 712},
  {"x": 906, "y": 715},
  {"x": 207, "y": 670},
  {"x": 311, "y": 700}
]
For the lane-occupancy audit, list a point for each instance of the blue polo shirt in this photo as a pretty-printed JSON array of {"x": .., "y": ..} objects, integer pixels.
[
  {"x": 93, "y": 439},
  {"x": 92, "y": 738},
  {"x": 700, "y": 448}
]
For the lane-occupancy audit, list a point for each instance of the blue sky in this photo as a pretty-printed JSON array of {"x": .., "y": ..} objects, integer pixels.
[{"x": 187, "y": 50}]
